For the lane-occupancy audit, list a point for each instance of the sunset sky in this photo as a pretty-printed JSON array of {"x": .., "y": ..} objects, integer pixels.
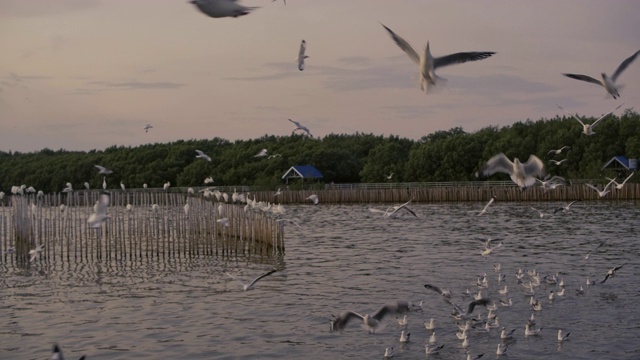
[{"x": 88, "y": 74}]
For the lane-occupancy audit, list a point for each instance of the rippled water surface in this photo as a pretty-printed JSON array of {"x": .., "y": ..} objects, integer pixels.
[{"x": 342, "y": 257}]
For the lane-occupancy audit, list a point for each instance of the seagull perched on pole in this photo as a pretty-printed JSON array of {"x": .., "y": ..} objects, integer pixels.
[
  {"x": 523, "y": 174},
  {"x": 608, "y": 83},
  {"x": 427, "y": 64}
]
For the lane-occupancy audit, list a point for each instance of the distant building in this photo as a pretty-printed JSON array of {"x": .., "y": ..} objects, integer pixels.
[
  {"x": 302, "y": 172},
  {"x": 621, "y": 164}
]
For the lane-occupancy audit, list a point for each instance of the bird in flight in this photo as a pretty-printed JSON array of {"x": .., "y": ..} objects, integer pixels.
[
  {"x": 300, "y": 127},
  {"x": 202, "y": 155},
  {"x": 100, "y": 212},
  {"x": 221, "y": 8},
  {"x": 523, "y": 174},
  {"x": 370, "y": 321},
  {"x": 587, "y": 129},
  {"x": 608, "y": 83},
  {"x": 301, "y": 55},
  {"x": 103, "y": 170},
  {"x": 246, "y": 286},
  {"x": 427, "y": 64}
]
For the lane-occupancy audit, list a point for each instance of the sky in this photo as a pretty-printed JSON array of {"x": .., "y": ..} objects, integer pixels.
[{"x": 90, "y": 74}]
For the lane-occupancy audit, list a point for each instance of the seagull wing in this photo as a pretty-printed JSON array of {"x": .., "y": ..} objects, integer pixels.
[
  {"x": 399, "y": 307},
  {"x": 628, "y": 177},
  {"x": 498, "y": 163},
  {"x": 100, "y": 168},
  {"x": 472, "y": 305},
  {"x": 404, "y": 45},
  {"x": 584, "y": 78},
  {"x": 605, "y": 115},
  {"x": 296, "y": 123},
  {"x": 261, "y": 276},
  {"x": 103, "y": 202},
  {"x": 434, "y": 288},
  {"x": 303, "y": 48},
  {"x": 568, "y": 113},
  {"x": 534, "y": 166},
  {"x": 623, "y": 66},
  {"x": 593, "y": 187},
  {"x": 341, "y": 321},
  {"x": 461, "y": 57},
  {"x": 235, "y": 278}
]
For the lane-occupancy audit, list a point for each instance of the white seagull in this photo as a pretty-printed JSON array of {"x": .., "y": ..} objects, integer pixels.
[
  {"x": 619, "y": 186},
  {"x": 249, "y": 286},
  {"x": 562, "y": 338},
  {"x": 601, "y": 193},
  {"x": 100, "y": 212},
  {"x": 565, "y": 208},
  {"x": 587, "y": 129},
  {"x": 103, "y": 170},
  {"x": 104, "y": 183},
  {"x": 300, "y": 127},
  {"x": 262, "y": 153},
  {"x": 484, "y": 210},
  {"x": 34, "y": 252},
  {"x": 208, "y": 180},
  {"x": 202, "y": 155},
  {"x": 608, "y": 83},
  {"x": 404, "y": 338},
  {"x": 427, "y": 64},
  {"x": 370, "y": 321},
  {"x": 388, "y": 352},
  {"x": 221, "y": 8},
  {"x": 124, "y": 188},
  {"x": 540, "y": 213},
  {"x": 586, "y": 257},
  {"x": 444, "y": 292},
  {"x": 429, "y": 349},
  {"x": 391, "y": 211},
  {"x": 558, "y": 151},
  {"x": 523, "y": 174},
  {"x": 313, "y": 198},
  {"x": 301, "y": 55},
  {"x": 556, "y": 162}
]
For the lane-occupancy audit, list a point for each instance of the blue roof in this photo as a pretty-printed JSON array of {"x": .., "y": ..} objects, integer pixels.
[
  {"x": 629, "y": 164},
  {"x": 303, "y": 171}
]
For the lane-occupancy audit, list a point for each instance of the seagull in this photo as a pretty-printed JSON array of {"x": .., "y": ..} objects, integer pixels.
[
  {"x": 427, "y": 64},
  {"x": 249, "y": 286},
  {"x": 277, "y": 193},
  {"x": 224, "y": 222},
  {"x": 221, "y": 8},
  {"x": 565, "y": 208},
  {"x": 611, "y": 273},
  {"x": 57, "y": 353},
  {"x": 147, "y": 127},
  {"x": 86, "y": 185},
  {"x": 523, "y": 174},
  {"x": 556, "y": 162},
  {"x": 313, "y": 198},
  {"x": 475, "y": 358},
  {"x": 403, "y": 321},
  {"x": 301, "y": 55},
  {"x": 202, "y": 155},
  {"x": 103, "y": 170},
  {"x": 404, "y": 338},
  {"x": 100, "y": 212},
  {"x": 432, "y": 338},
  {"x": 608, "y": 83},
  {"x": 370, "y": 321},
  {"x": 539, "y": 212},
  {"x": 388, "y": 352},
  {"x": 430, "y": 350},
  {"x": 166, "y": 185},
  {"x": 588, "y": 128},
  {"x": 484, "y": 210},
  {"x": 603, "y": 192},
  {"x": 273, "y": 156},
  {"x": 34, "y": 252},
  {"x": 558, "y": 151},
  {"x": 562, "y": 338},
  {"x": 300, "y": 127},
  {"x": 586, "y": 257},
  {"x": 262, "y": 153},
  {"x": 208, "y": 180},
  {"x": 394, "y": 209},
  {"x": 431, "y": 325},
  {"x": 464, "y": 315},
  {"x": 389, "y": 176},
  {"x": 502, "y": 349},
  {"x": 444, "y": 292},
  {"x": 620, "y": 185},
  {"x": 504, "y": 335},
  {"x": 531, "y": 332},
  {"x": 104, "y": 183},
  {"x": 68, "y": 188},
  {"x": 122, "y": 186}
]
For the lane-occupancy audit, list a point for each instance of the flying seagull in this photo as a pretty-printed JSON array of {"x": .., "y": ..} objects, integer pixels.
[
  {"x": 34, "y": 252},
  {"x": 300, "y": 127},
  {"x": 103, "y": 170},
  {"x": 565, "y": 208},
  {"x": 57, "y": 353},
  {"x": 587, "y": 129},
  {"x": 202, "y": 155},
  {"x": 301, "y": 55},
  {"x": 313, "y": 198},
  {"x": 427, "y": 64},
  {"x": 458, "y": 312},
  {"x": 556, "y": 162},
  {"x": 611, "y": 273},
  {"x": 100, "y": 212},
  {"x": 370, "y": 321},
  {"x": 221, "y": 8},
  {"x": 523, "y": 174},
  {"x": 619, "y": 186},
  {"x": 603, "y": 192},
  {"x": 262, "y": 153},
  {"x": 394, "y": 209},
  {"x": 147, "y": 127},
  {"x": 558, "y": 151},
  {"x": 249, "y": 286},
  {"x": 609, "y": 84},
  {"x": 484, "y": 210},
  {"x": 444, "y": 292}
]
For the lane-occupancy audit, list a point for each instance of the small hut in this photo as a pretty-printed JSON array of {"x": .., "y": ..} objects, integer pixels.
[
  {"x": 302, "y": 172},
  {"x": 622, "y": 165}
]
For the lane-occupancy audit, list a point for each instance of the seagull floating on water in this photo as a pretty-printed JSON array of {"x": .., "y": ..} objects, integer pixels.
[
  {"x": 587, "y": 129},
  {"x": 301, "y": 55},
  {"x": 430, "y": 350},
  {"x": 388, "y": 352},
  {"x": 371, "y": 322},
  {"x": 404, "y": 338},
  {"x": 607, "y": 83},
  {"x": 523, "y": 174},
  {"x": 250, "y": 286},
  {"x": 202, "y": 155},
  {"x": 562, "y": 338},
  {"x": 221, "y": 8},
  {"x": 427, "y": 64}
]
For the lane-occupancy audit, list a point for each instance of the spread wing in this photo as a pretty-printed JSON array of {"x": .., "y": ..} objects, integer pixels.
[
  {"x": 534, "y": 166},
  {"x": 623, "y": 66},
  {"x": 498, "y": 163},
  {"x": 605, "y": 115},
  {"x": 399, "y": 307},
  {"x": 341, "y": 321},
  {"x": 461, "y": 57},
  {"x": 584, "y": 78},
  {"x": 573, "y": 116},
  {"x": 404, "y": 45}
]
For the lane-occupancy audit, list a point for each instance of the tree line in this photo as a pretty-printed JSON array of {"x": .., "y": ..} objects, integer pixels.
[{"x": 449, "y": 155}]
